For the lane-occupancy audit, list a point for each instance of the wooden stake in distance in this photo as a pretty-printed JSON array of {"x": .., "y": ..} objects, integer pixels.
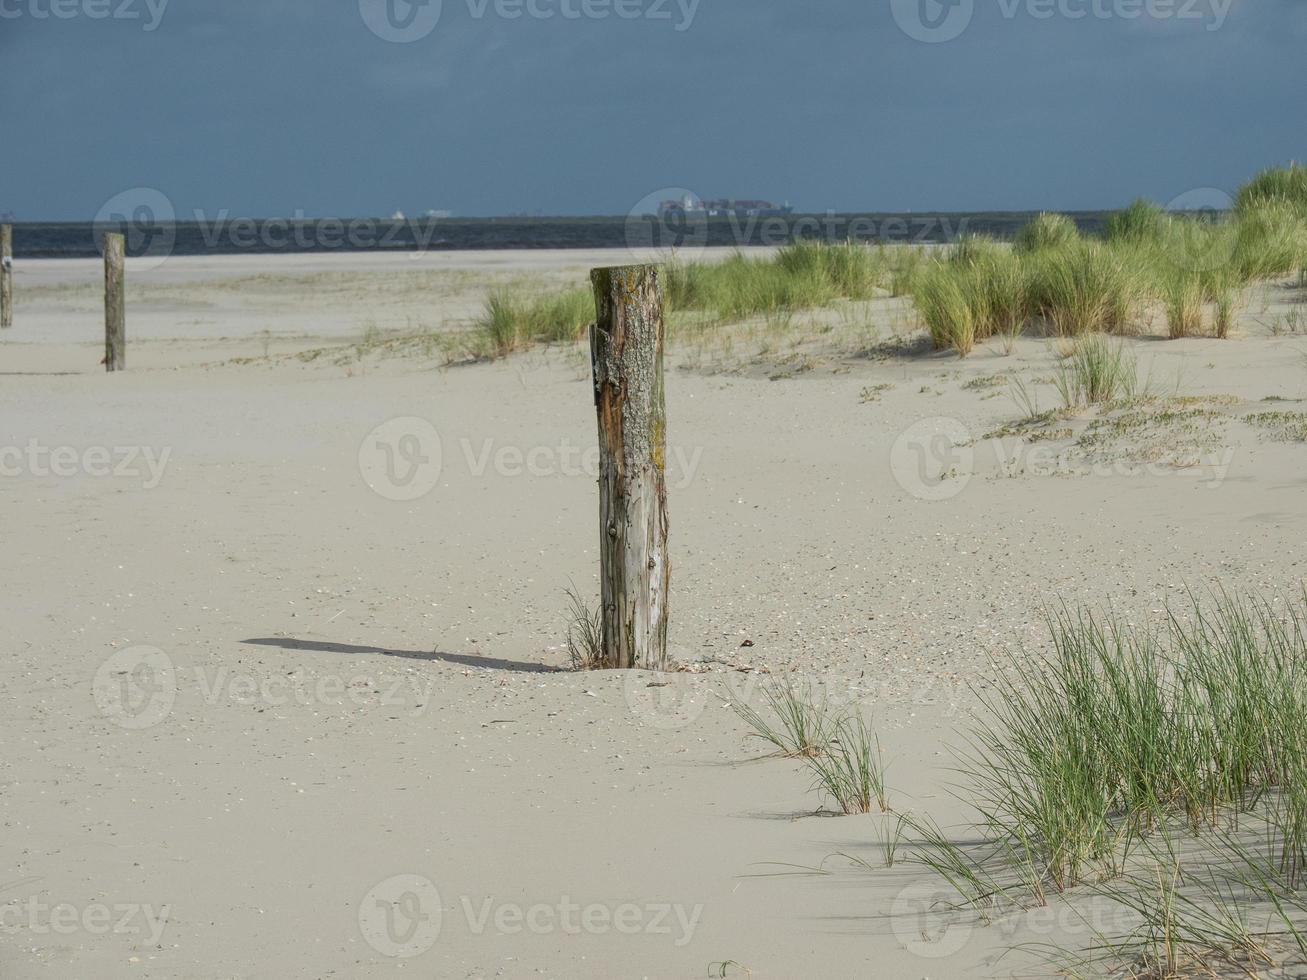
[
  {"x": 115, "y": 307},
  {"x": 626, "y": 350},
  {"x": 6, "y": 276}
]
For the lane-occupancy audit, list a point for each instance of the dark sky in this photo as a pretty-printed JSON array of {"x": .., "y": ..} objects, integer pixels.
[{"x": 273, "y": 107}]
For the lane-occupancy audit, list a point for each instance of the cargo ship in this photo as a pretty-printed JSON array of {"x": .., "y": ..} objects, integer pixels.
[{"x": 722, "y": 208}]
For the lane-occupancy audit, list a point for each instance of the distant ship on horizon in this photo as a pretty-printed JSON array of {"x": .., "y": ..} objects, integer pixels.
[{"x": 722, "y": 207}]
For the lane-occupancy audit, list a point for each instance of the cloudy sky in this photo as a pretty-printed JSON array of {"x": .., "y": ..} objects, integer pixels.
[{"x": 362, "y": 107}]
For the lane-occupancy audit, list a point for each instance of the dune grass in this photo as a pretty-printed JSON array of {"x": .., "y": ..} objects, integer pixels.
[
  {"x": 982, "y": 289},
  {"x": 513, "y": 320},
  {"x": 946, "y": 307},
  {"x": 1275, "y": 184},
  {"x": 837, "y": 745},
  {"x": 974, "y": 291},
  {"x": 1141, "y": 222},
  {"x": 1191, "y": 269},
  {"x": 849, "y": 270},
  {"x": 1159, "y": 769},
  {"x": 1182, "y": 295},
  {"x": 1270, "y": 239},
  {"x": 585, "y": 641},
  {"x": 1085, "y": 287},
  {"x": 802, "y": 275},
  {"x": 1162, "y": 769},
  {"x": 905, "y": 262},
  {"x": 1097, "y": 371},
  {"x": 1123, "y": 732},
  {"x": 1046, "y": 231},
  {"x": 851, "y": 770},
  {"x": 1204, "y": 915},
  {"x": 802, "y": 729},
  {"x": 995, "y": 280}
]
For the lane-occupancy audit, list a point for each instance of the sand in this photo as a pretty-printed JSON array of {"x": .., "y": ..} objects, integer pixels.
[{"x": 269, "y": 712}]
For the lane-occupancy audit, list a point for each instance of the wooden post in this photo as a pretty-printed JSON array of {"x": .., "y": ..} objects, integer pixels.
[
  {"x": 115, "y": 311},
  {"x": 6, "y": 276},
  {"x": 626, "y": 350}
]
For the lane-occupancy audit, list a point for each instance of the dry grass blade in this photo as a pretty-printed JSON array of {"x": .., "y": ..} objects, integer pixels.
[
  {"x": 585, "y": 645},
  {"x": 801, "y": 727}
]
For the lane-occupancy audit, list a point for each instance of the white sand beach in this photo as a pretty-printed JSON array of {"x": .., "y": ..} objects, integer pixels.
[{"x": 360, "y": 688}]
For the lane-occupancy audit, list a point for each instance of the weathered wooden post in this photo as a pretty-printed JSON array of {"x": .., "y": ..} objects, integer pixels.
[
  {"x": 6, "y": 276},
  {"x": 115, "y": 307},
  {"x": 626, "y": 350}
]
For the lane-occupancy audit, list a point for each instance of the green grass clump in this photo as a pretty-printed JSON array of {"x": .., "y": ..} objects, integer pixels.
[
  {"x": 499, "y": 331},
  {"x": 1124, "y": 729},
  {"x": 1097, "y": 372},
  {"x": 851, "y": 771},
  {"x": 561, "y": 317},
  {"x": 944, "y": 302},
  {"x": 744, "y": 287},
  {"x": 839, "y": 748},
  {"x": 1046, "y": 231},
  {"x": 975, "y": 291},
  {"x": 684, "y": 284},
  {"x": 1223, "y": 917},
  {"x": 1160, "y": 770},
  {"x": 994, "y": 279},
  {"x": 1270, "y": 240},
  {"x": 905, "y": 262},
  {"x": 1190, "y": 244},
  {"x": 802, "y": 275},
  {"x": 1275, "y": 184},
  {"x": 1141, "y": 222},
  {"x": 1084, "y": 287},
  {"x": 804, "y": 730},
  {"x": 512, "y": 321},
  {"x": 1183, "y": 297},
  {"x": 849, "y": 270},
  {"x": 1227, "y": 300},
  {"x": 585, "y": 638}
]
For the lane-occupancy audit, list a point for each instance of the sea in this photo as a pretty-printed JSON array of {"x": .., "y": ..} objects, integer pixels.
[{"x": 223, "y": 235}]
